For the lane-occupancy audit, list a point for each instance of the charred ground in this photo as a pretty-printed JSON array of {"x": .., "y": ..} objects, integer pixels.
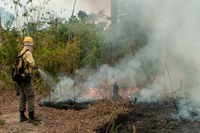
[
  {"x": 156, "y": 118},
  {"x": 102, "y": 116}
]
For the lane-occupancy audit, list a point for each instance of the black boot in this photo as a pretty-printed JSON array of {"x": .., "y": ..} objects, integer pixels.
[
  {"x": 32, "y": 118},
  {"x": 23, "y": 117}
]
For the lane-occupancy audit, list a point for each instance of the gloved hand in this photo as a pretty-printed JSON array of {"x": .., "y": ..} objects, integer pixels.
[{"x": 35, "y": 67}]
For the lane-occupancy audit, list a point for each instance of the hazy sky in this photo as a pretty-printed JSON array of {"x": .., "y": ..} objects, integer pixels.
[{"x": 85, "y": 5}]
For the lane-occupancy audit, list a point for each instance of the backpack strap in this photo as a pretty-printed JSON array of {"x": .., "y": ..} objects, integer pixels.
[{"x": 22, "y": 54}]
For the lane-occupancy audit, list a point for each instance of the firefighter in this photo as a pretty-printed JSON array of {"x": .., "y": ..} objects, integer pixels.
[{"x": 25, "y": 85}]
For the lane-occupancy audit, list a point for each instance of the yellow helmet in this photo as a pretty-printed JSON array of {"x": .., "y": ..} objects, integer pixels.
[{"x": 28, "y": 39}]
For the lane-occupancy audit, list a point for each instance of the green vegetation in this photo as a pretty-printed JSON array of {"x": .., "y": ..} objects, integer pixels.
[
  {"x": 62, "y": 46},
  {"x": 114, "y": 127},
  {"x": 2, "y": 122}
]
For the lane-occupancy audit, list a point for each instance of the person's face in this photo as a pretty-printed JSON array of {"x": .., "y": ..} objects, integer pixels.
[{"x": 31, "y": 48}]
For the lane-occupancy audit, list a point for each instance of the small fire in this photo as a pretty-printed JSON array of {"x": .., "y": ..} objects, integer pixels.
[
  {"x": 94, "y": 93},
  {"x": 102, "y": 92},
  {"x": 126, "y": 93},
  {"x": 105, "y": 91}
]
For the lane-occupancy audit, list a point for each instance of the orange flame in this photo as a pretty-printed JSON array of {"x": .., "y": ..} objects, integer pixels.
[{"x": 105, "y": 92}]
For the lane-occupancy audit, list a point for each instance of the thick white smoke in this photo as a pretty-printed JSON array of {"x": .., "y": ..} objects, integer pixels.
[
  {"x": 172, "y": 52},
  {"x": 174, "y": 34}
]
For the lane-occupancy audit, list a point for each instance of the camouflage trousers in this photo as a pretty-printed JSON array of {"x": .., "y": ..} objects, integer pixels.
[{"x": 26, "y": 92}]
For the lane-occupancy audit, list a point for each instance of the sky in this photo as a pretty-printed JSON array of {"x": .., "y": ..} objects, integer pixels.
[
  {"x": 86, "y": 5},
  {"x": 5, "y": 13},
  {"x": 89, "y": 6}
]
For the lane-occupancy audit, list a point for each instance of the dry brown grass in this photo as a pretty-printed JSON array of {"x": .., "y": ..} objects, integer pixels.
[
  {"x": 87, "y": 120},
  {"x": 69, "y": 121}
]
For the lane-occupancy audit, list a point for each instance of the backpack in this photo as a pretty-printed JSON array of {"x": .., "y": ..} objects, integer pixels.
[{"x": 19, "y": 69}]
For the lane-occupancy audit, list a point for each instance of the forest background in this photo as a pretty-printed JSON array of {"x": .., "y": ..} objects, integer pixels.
[{"x": 63, "y": 46}]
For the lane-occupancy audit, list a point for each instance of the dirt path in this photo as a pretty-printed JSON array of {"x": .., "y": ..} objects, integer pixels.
[
  {"x": 12, "y": 125},
  {"x": 9, "y": 112}
]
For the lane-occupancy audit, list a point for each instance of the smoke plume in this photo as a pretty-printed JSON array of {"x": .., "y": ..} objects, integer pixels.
[
  {"x": 167, "y": 67},
  {"x": 171, "y": 54}
]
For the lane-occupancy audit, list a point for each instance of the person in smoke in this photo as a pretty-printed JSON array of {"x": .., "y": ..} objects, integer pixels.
[{"x": 25, "y": 85}]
